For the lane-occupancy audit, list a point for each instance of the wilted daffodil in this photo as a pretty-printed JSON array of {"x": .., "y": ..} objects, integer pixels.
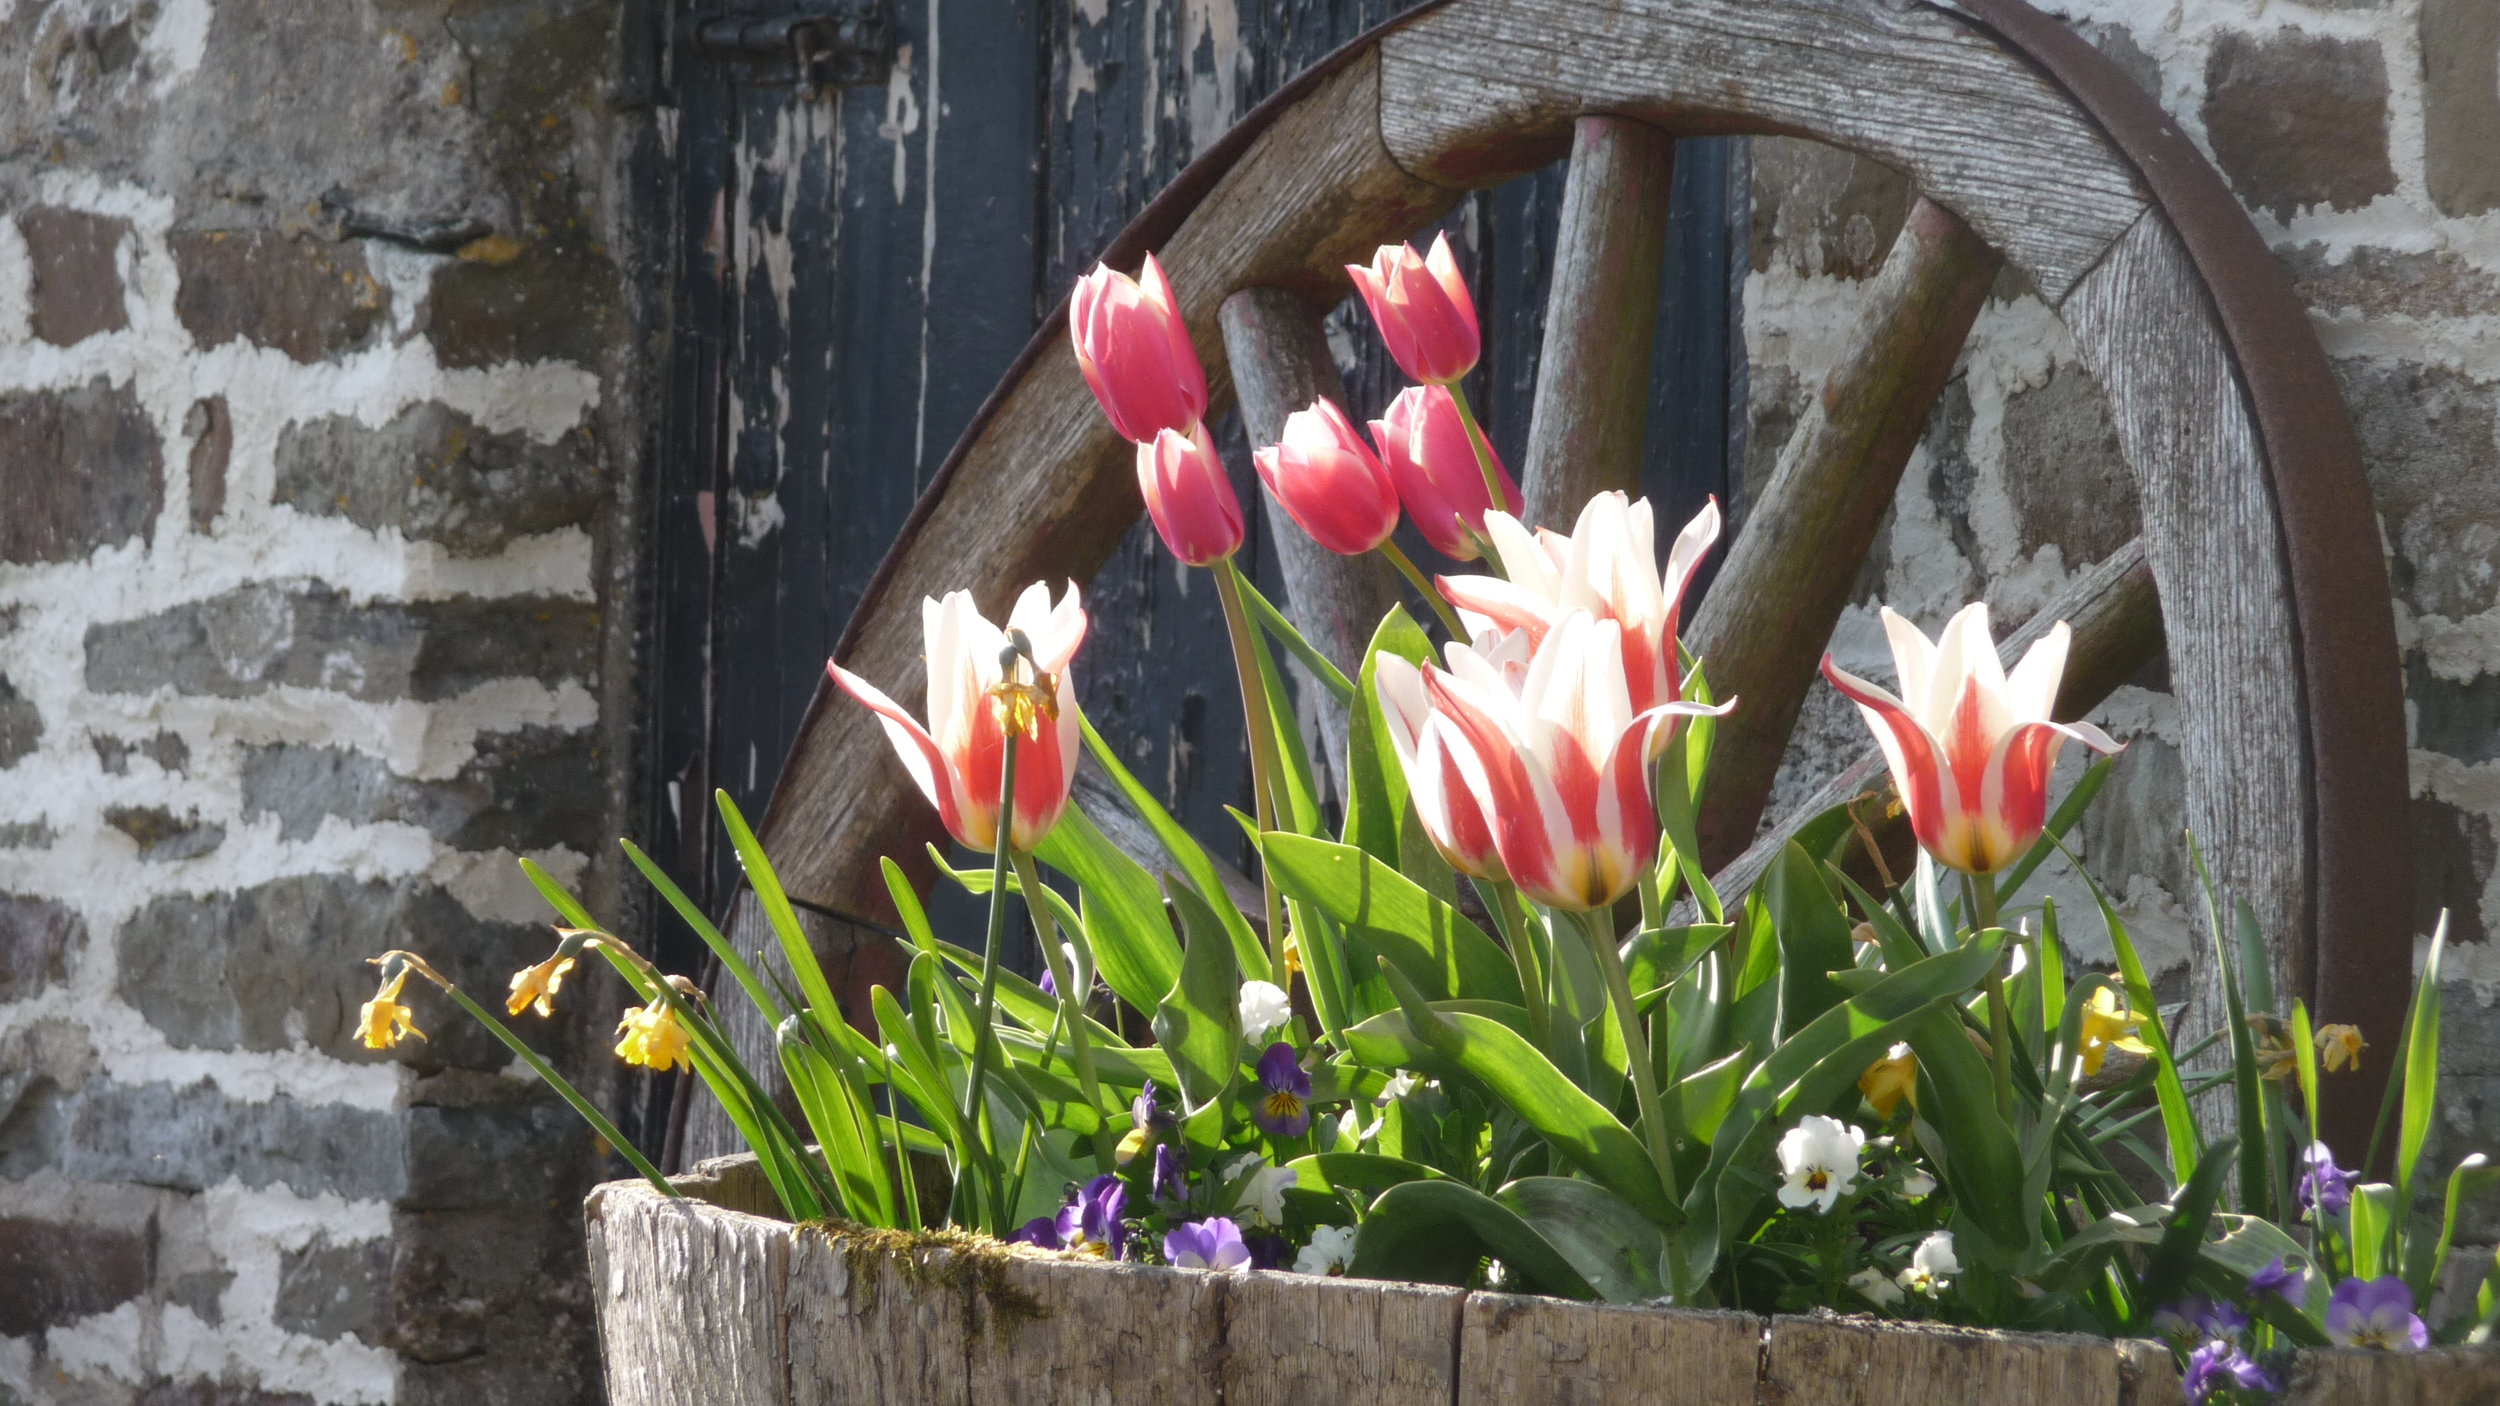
[
  {"x": 383, "y": 1020},
  {"x": 537, "y": 986},
  {"x": 1890, "y": 1080},
  {"x": 2340, "y": 1045},
  {"x": 2109, "y": 1025},
  {"x": 1819, "y": 1162},
  {"x": 653, "y": 1037}
]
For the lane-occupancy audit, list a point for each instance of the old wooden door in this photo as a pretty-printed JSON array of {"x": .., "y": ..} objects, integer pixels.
[{"x": 858, "y": 258}]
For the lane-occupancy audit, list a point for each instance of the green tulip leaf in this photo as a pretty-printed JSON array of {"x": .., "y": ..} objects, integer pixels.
[{"x": 1440, "y": 1232}]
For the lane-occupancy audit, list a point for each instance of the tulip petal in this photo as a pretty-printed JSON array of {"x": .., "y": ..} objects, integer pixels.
[
  {"x": 1490, "y": 601},
  {"x": 2031, "y": 690},
  {"x": 912, "y": 743},
  {"x": 1910, "y": 751},
  {"x": 1913, "y": 662}
]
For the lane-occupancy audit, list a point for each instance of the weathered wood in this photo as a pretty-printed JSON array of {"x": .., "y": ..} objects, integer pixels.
[
  {"x": 1515, "y": 1350},
  {"x": 1601, "y": 319},
  {"x": 690, "y": 1300},
  {"x": 1280, "y": 363},
  {"x": 1091, "y": 1333},
  {"x": 1296, "y": 1340},
  {"x": 1474, "y": 94},
  {"x": 2353, "y": 1377},
  {"x": 1857, "y": 1362},
  {"x": 1789, "y": 573},
  {"x": 1048, "y": 486},
  {"x": 2211, "y": 537},
  {"x": 877, "y": 1325},
  {"x": 2148, "y": 1374},
  {"x": 2116, "y": 616}
]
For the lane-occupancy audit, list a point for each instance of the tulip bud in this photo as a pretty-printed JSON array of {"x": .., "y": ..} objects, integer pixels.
[
  {"x": 1189, "y": 496},
  {"x": 1134, "y": 349},
  {"x": 1423, "y": 308},
  {"x": 1329, "y": 481},
  {"x": 1424, "y": 444}
]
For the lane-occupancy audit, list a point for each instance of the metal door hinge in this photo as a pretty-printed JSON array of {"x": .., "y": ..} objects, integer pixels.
[{"x": 843, "y": 42}]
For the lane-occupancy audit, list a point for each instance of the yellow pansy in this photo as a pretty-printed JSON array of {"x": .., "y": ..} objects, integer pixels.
[
  {"x": 653, "y": 1038},
  {"x": 536, "y": 986},
  {"x": 2109, "y": 1025},
  {"x": 1889, "y": 1080},
  {"x": 2341, "y": 1045},
  {"x": 382, "y": 1021}
]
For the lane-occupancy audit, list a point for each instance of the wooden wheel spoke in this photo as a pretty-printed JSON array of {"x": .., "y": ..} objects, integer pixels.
[
  {"x": 1788, "y": 574},
  {"x": 1601, "y": 319}
]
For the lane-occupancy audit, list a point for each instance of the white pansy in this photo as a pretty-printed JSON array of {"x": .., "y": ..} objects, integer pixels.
[
  {"x": 1330, "y": 1251},
  {"x": 1878, "y": 1290},
  {"x": 1932, "y": 1265},
  {"x": 1263, "y": 1009},
  {"x": 1819, "y": 1161},
  {"x": 1916, "y": 1184},
  {"x": 1400, "y": 1085},
  {"x": 1262, "y": 1189}
]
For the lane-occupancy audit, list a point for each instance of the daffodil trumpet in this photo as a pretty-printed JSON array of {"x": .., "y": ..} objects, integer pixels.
[{"x": 398, "y": 966}]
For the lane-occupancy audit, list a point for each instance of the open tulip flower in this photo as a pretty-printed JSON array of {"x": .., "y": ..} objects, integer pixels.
[
  {"x": 1424, "y": 443},
  {"x": 1970, "y": 747},
  {"x": 1329, "y": 481},
  {"x": 958, "y": 758},
  {"x": 1425, "y": 312},
  {"x": 1559, "y": 762},
  {"x": 1134, "y": 349},
  {"x": 1428, "y": 745},
  {"x": 1189, "y": 495},
  {"x": 1607, "y": 567}
]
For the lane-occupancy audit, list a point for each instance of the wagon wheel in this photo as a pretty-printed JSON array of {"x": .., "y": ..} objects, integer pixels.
[{"x": 2030, "y": 150}]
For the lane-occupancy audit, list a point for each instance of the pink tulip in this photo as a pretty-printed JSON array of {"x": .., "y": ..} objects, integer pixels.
[
  {"x": 1423, "y": 308},
  {"x": 1970, "y": 748},
  {"x": 1608, "y": 567},
  {"x": 1329, "y": 481},
  {"x": 958, "y": 759},
  {"x": 1557, "y": 758},
  {"x": 1425, "y": 446},
  {"x": 1189, "y": 496},
  {"x": 1134, "y": 349}
]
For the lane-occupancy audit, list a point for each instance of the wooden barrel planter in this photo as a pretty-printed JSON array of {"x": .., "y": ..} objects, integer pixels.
[{"x": 713, "y": 1301}]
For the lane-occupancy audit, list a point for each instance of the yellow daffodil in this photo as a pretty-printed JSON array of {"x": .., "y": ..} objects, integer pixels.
[
  {"x": 1889, "y": 1080},
  {"x": 537, "y": 986},
  {"x": 382, "y": 1021},
  {"x": 1293, "y": 952},
  {"x": 653, "y": 1038},
  {"x": 2276, "y": 1059},
  {"x": 2109, "y": 1025},
  {"x": 2341, "y": 1045}
]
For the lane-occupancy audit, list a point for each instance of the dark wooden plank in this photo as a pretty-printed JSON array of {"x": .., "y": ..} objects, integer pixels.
[
  {"x": 1786, "y": 578},
  {"x": 1591, "y": 421}
]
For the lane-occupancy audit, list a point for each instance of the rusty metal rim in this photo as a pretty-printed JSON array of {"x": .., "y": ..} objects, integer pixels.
[{"x": 2344, "y": 623}]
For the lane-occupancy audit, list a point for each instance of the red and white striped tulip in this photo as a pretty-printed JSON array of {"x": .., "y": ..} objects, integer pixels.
[
  {"x": 1970, "y": 747},
  {"x": 959, "y": 757},
  {"x": 1329, "y": 481},
  {"x": 1426, "y": 744},
  {"x": 1134, "y": 349},
  {"x": 1429, "y": 457},
  {"x": 1425, "y": 312},
  {"x": 1189, "y": 495},
  {"x": 1557, "y": 760},
  {"x": 1608, "y": 567}
]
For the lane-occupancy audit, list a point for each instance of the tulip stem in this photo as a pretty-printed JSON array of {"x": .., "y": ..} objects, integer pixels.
[
  {"x": 1071, "y": 999},
  {"x": 1263, "y": 788},
  {"x": 1598, "y": 925},
  {"x": 1001, "y": 848},
  {"x": 1502, "y": 897},
  {"x": 1983, "y": 900},
  {"x": 1406, "y": 567},
  {"x": 1493, "y": 493}
]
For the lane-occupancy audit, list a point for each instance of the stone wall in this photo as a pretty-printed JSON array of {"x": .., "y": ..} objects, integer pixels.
[
  {"x": 319, "y": 420},
  {"x": 2363, "y": 136}
]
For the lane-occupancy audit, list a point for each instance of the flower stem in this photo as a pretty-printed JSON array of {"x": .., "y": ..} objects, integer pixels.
[
  {"x": 1071, "y": 1000},
  {"x": 1502, "y": 897},
  {"x": 1406, "y": 567},
  {"x": 1493, "y": 493},
  {"x": 590, "y": 1113},
  {"x": 1264, "y": 790},
  {"x": 1599, "y": 927},
  {"x": 1001, "y": 848},
  {"x": 1983, "y": 895}
]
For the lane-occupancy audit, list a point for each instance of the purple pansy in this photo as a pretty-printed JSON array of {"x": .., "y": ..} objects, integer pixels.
[
  {"x": 1091, "y": 1219},
  {"x": 2217, "y": 1365},
  {"x": 1268, "y": 1249},
  {"x": 1285, "y": 1109},
  {"x": 1049, "y": 984},
  {"x": 1171, "y": 1179},
  {"x": 2375, "y": 1313},
  {"x": 1214, "y": 1243},
  {"x": 2280, "y": 1279},
  {"x": 2323, "y": 1185},
  {"x": 2199, "y": 1318},
  {"x": 1041, "y": 1230}
]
